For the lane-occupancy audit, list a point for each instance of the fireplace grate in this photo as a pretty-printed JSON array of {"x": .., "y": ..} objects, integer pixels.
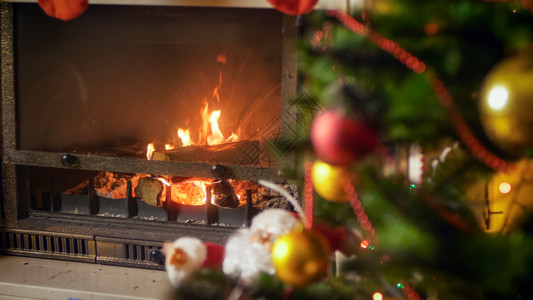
[{"x": 83, "y": 248}]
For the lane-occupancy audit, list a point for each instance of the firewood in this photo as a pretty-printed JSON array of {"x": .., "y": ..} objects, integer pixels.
[
  {"x": 149, "y": 190},
  {"x": 240, "y": 152}
]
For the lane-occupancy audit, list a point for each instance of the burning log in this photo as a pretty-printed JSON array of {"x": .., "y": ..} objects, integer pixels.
[
  {"x": 239, "y": 152},
  {"x": 149, "y": 190}
]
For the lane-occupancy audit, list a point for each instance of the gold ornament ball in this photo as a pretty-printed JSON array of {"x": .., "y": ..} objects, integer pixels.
[
  {"x": 506, "y": 106},
  {"x": 301, "y": 257},
  {"x": 329, "y": 181},
  {"x": 505, "y": 201}
]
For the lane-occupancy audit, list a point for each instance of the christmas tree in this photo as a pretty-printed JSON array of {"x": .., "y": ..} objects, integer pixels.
[{"x": 415, "y": 168}]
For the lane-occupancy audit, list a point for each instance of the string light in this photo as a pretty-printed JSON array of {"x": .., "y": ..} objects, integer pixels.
[
  {"x": 364, "y": 244},
  {"x": 399, "y": 285},
  {"x": 505, "y": 187},
  {"x": 377, "y": 296},
  {"x": 417, "y": 66}
]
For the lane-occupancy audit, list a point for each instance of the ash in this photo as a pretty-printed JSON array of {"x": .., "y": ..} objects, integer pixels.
[
  {"x": 107, "y": 184},
  {"x": 151, "y": 218},
  {"x": 111, "y": 215},
  {"x": 266, "y": 198}
]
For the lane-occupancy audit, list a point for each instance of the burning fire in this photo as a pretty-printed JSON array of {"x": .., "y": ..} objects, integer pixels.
[
  {"x": 193, "y": 192},
  {"x": 209, "y": 133}
]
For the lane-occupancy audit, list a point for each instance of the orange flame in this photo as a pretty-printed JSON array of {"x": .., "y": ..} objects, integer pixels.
[
  {"x": 150, "y": 149},
  {"x": 163, "y": 180},
  {"x": 221, "y": 58},
  {"x": 184, "y": 136},
  {"x": 232, "y": 138},
  {"x": 205, "y": 123},
  {"x": 216, "y": 137},
  {"x": 209, "y": 132}
]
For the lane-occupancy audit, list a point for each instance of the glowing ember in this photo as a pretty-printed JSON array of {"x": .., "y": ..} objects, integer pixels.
[
  {"x": 190, "y": 192},
  {"x": 221, "y": 58},
  {"x": 169, "y": 147},
  {"x": 193, "y": 191}
]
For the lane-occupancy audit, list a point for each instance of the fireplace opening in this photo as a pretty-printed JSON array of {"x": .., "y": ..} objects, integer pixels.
[{"x": 120, "y": 77}]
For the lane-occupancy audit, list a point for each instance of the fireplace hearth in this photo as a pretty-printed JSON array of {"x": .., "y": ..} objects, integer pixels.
[{"x": 207, "y": 88}]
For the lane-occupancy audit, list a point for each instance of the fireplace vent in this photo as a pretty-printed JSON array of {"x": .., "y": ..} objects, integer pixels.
[
  {"x": 47, "y": 245},
  {"x": 102, "y": 250}
]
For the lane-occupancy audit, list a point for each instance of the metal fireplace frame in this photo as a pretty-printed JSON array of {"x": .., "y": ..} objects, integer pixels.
[{"x": 117, "y": 241}]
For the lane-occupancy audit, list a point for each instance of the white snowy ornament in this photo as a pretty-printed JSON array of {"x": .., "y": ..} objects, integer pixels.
[
  {"x": 248, "y": 251},
  {"x": 183, "y": 257}
]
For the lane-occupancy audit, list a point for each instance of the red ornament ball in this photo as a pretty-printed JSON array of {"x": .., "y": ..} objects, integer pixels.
[
  {"x": 294, "y": 7},
  {"x": 339, "y": 140},
  {"x": 63, "y": 9}
]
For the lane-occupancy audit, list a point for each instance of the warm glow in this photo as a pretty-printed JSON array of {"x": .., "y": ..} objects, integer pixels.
[
  {"x": 150, "y": 151},
  {"x": 497, "y": 97},
  {"x": 505, "y": 187},
  {"x": 169, "y": 147},
  {"x": 364, "y": 244}
]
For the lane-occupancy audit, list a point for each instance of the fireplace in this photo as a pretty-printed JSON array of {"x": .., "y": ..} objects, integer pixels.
[{"x": 133, "y": 125}]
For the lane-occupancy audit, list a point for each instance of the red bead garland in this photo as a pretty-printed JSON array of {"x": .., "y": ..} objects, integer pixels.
[
  {"x": 359, "y": 211},
  {"x": 409, "y": 292},
  {"x": 308, "y": 195},
  {"x": 417, "y": 66}
]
